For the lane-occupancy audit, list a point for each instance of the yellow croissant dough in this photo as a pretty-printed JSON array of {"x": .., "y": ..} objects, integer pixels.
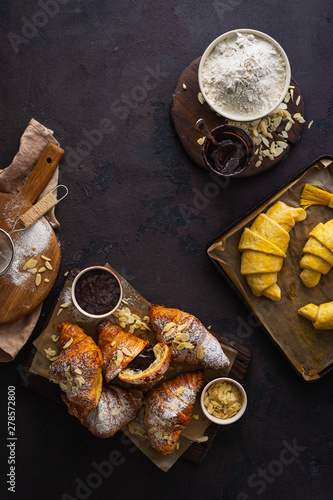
[
  {"x": 318, "y": 254},
  {"x": 264, "y": 245},
  {"x": 321, "y": 316}
]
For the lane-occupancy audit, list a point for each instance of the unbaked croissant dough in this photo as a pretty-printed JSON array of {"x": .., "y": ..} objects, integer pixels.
[
  {"x": 321, "y": 316},
  {"x": 318, "y": 254},
  {"x": 264, "y": 247}
]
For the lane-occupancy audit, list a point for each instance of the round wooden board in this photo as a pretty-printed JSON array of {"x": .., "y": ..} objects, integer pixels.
[
  {"x": 186, "y": 110},
  {"x": 19, "y": 294}
]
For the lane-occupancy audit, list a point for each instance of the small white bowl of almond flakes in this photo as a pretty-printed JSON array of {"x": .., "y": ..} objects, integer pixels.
[{"x": 223, "y": 400}]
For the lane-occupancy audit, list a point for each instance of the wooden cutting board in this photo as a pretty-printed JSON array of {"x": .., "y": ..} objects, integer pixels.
[{"x": 19, "y": 294}]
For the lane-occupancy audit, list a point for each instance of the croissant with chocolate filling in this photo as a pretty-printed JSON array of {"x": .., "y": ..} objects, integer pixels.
[
  {"x": 148, "y": 367},
  {"x": 118, "y": 348},
  {"x": 189, "y": 341},
  {"x": 116, "y": 408},
  {"x": 264, "y": 247},
  {"x": 78, "y": 368},
  {"x": 321, "y": 316},
  {"x": 169, "y": 408}
]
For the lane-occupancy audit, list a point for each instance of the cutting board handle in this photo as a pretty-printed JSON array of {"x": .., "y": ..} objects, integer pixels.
[{"x": 42, "y": 172}]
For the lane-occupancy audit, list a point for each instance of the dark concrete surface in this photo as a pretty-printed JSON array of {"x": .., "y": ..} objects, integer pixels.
[{"x": 91, "y": 61}]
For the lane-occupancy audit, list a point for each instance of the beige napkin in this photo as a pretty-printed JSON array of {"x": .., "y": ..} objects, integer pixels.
[{"x": 34, "y": 140}]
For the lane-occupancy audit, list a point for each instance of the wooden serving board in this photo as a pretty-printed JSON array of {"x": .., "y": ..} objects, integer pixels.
[
  {"x": 19, "y": 294},
  {"x": 186, "y": 110}
]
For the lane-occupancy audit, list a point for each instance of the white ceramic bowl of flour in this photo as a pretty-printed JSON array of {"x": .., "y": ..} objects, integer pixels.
[{"x": 244, "y": 75}]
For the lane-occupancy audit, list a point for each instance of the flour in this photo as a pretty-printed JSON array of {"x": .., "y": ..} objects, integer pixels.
[{"x": 244, "y": 74}]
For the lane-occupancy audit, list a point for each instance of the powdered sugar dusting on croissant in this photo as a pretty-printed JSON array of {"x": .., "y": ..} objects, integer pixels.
[
  {"x": 189, "y": 341},
  {"x": 169, "y": 408},
  {"x": 116, "y": 408}
]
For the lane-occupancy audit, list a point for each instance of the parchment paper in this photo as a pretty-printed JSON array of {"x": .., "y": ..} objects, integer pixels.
[
  {"x": 309, "y": 350},
  {"x": 194, "y": 431}
]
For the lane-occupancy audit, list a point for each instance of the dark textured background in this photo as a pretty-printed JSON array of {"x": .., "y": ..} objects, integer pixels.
[{"x": 125, "y": 206}]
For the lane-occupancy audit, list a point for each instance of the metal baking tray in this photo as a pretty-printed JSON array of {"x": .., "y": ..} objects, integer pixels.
[{"x": 310, "y": 352}]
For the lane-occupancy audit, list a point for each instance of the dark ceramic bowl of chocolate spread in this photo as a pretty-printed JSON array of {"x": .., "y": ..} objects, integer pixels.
[{"x": 97, "y": 292}]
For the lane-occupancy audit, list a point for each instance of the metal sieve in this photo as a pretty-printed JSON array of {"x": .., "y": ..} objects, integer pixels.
[{"x": 7, "y": 250}]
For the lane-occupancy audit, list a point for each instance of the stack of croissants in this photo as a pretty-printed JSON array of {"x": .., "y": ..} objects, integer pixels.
[
  {"x": 263, "y": 246},
  {"x": 86, "y": 373}
]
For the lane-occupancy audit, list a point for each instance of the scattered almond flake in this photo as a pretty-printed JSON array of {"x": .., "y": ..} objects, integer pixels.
[
  {"x": 119, "y": 358},
  {"x": 168, "y": 326},
  {"x": 201, "y": 140},
  {"x": 54, "y": 358},
  {"x": 310, "y": 124},
  {"x": 184, "y": 86},
  {"x": 30, "y": 264},
  {"x": 180, "y": 390},
  {"x": 177, "y": 445},
  {"x": 77, "y": 370},
  {"x": 113, "y": 343},
  {"x": 288, "y": 126},
  {"x": 278, "y": 151},
  {"x": 67, "y": 368},
  {"x": 42, "y": 269},
  {"x": 126, "y": 351},
  {"x": 180, "y": 346},
  {"x": 38, "y": 279},
  {"x": 298, "y": 100},
  {"x": 34, "y": 248},
  {"x": 59, "y": 311},
  {"x": 258, "y": 164},
  {"x": 182, "y": 327},
  {"x": 50, "y": 353},
  {"x": 46, "y": 280},
  {"x": 301, "y": 120},
  {"x": 125, "y": 301},
  {"x": 284, "y": 134},
  {"x": 48, "y": 265},
  {"x": 55, "y": 338},
  {"x": 146, "y": 318},
  {"x": 256, "y": 151},
  {"x": 66, "y": 273},
  {"x": 202, "y": 439},
  {"x": 201, "y": 98},
  {"x": 200, "y": 352},
  {"x": 292, "y": 93},
  {"x": 184, "y": 337},
  {"x": 33, "y": 270},
  {"x": 136, "y": 428},
  {"x": 68, "y": 343},
  {"x": 45, "y": 258},
  {"x": 282, "y": 144},
  {"x": 209, "y": 327},
  {"x": 195, "y": 416},
  {"x": 297, "y": 115},
  {"x": 272, "y": 148},
  {"x": 65, "y": 304},
  {"x": 189, "y": 345},
  {"x": 287, "y": 98}
]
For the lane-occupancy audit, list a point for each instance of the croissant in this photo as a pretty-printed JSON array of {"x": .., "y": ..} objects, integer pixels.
[
  {"x": 78, "y": 368},
  {"x": 116, "y": 408},
  {"x": 169, "y": 408},
  {"x": 321, "y": 316},
  {"x": 318, "y": 254},
  {"x": 148, "y": 367},
  {"x": 264, "y": 245},
  {"x": 118, "y": 348},
  {"x": 189, "y": 341}
]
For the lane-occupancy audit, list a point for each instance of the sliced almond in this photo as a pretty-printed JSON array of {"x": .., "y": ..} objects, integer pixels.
[
  {"x": 68, "y": 343},
  {"x": 168, "y": 326},
  {"x": 126, "y": 351},
  {"x": 46, "y": 280},
  {"x": 45, "y": 258},
  {"x": 65, "y": 304},
  {"x": 48, "y": 265},
  {"x": 30, "y": 264},
  {"x": 33, "y": 270},
  {"x": 38, "y": 279},
  {"x": 200, "y": 352},
  {"x": 55, "y": 338},
  {"x": 180, "y": 346},
  {"x": 42, "y": 269}
]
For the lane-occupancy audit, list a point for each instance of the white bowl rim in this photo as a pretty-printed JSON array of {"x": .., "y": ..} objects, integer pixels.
[
  {"x": 235, "y": 116},
  {"x": 82, "y": 311},
  {"x": 238, "y": 415}
]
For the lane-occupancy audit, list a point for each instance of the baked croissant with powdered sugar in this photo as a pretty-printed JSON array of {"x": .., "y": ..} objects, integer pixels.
[
  {"x": 189, "y": 341},
  {"x": 169, "y": 408}
]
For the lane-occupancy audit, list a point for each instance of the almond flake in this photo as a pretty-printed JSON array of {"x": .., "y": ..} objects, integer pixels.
[
  {"x": 258, "y": 164},
  {"x": 180, "y": 390},
  {"x": 126, "y": 351},
  {"x": 310, "y": 124},
  {"x": 182, "y": 327},
  {"x": 46, "y": 280},
  {"x": 50, "y": 352},
  {"x": 54, "y": 358},
  {"x": 180, "y": 346},
  {"x": 168, "y": 326},
  {"x": 77, "y": 370},
  {"x": 66, "y": 273},
  {"x": 68, "y": 343},
  {"x": 184, "y": 86},
  {"x": 33, "y": 270},
  {"x": 30, "y": 264},
  {"x": 55, "y": 338},
  {"x": 48, "y": 265},
  {"x": 59, "y": 311},
  {"x": 65, "y": 304},
  {"x": 188, "y": 345},
  {"x": 201, "y": 98},
  {"x": 45, "y": 258},
  {"x": 42, "y": 269},
  {"x": 203, "y": 439},
  {"x": 200, "y": 352},
  {"x": 38, "y": 279},
  {"x": 184, "y": 337},
  {"x": 201, "y": 140},
  {"x": 195, "y": 416},
  {"x": 298, "y": 100}
]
